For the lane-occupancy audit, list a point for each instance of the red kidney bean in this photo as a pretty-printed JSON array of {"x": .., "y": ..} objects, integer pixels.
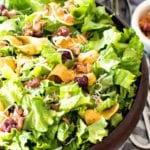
[
  {"x": 82, "y": 82},
  {"x": 63, "y": 31},
  {"x": 33, "y": 83},
  {"x": 8, "y": 125},
  {"x": 2, "y": 7}
]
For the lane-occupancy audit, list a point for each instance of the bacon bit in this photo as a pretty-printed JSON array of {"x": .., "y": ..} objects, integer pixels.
[
  {"x": 98, "y": 101},
  {"x": 38, "y": 18},
  {"x": 82, "y": 68},
  {"x": 15, "y": 120},
  {"x": 38, "y": 33},
  {"x": 68, "y": 5},
  {"x": 18, "y": 117},
  {"x": 68, "y": 18},
  {"x": 33, "y": 83},
  {"x": 46, "y": 10},
  {"x": 28, "y": 33},
  {"x": 5, "y": 12},
  {"x": 63, "y": 31},
  {"x": 9, "y": 14},
  {"x": 3, "y": 43},
  {"x": 55, "y": 107},
  {"x": 20, "y": 123},
  {"x": 35, "y": 28},
  {"x": 66, "y": 120},
  {"x": 8, "y": 125},
  {"x": 2, "y": 7},
  {"x": 28, "y": 26}
]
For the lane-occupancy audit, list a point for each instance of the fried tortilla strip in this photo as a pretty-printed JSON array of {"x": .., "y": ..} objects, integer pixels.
[
  {"x": 27, "y": 44},
  {"x": 61, "y": 74},
  {"x": 72, "y": 43},
  {"x": 91, "y": 116},
  {"x": 107, "y": 114},
  {"x": 8, "y": 61},
  {"x": 88, "y": 57}
]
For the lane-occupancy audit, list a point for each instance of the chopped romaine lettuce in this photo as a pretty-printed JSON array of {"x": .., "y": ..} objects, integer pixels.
[
  {"x": 39, "y": 38},
  {"x": 97, "y": 131}
]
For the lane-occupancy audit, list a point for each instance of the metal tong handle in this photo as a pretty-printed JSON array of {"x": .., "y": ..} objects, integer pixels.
[{"x": 115, "y": 6}]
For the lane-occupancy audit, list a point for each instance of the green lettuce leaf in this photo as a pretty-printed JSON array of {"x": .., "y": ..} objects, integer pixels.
[
  {"x": 81, "y": 10},
  {"x": 97, "y": 131},
  {"x": 51, "y": 25},
  {"x": 64, "y": 131},
  {"x": 116, "y": 119},
  {"x": 7, "y": 73},
  {"x": 15, "y": 139},
  {"x": 9, "y": 25},
  {"x": 38, "y": 118},
  {"x": 39, "y": 71},
  {"x": 97, "y": 19},
  {"x": 81, "y": 130},
  {"x": 106, "y": 104},
  {"x": 36, "y": 67},
  {"x": 71, "y": 97},
  {"x": 95, "y": 42},
  {"x": 52, "y": 56},
  {"x": 130, "y": 61},
  {"x": 7, "y": 51},
  {"x": 111, "y": 36},
  {"x": 124, "y": 78},
  {"x": 26, "y": 6},
  {"x": 11, "y": 92},
  {"x": 109, "y": 59},
  {"x": 70, "y": 89}
]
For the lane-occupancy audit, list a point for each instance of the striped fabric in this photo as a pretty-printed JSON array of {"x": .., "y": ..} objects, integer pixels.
[{"x": 140, "y": 133}]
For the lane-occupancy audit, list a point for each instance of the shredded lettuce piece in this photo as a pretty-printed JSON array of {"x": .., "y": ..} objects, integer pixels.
[
  {"x": 11, "y": 92},
  {"x": 106, "y": 104},
  {"x": 98, "y": 19},
  {"x": 116, "y": 119},
  {"x": 97, "y": 131},
  {"x": 72, "y": 97},
  {"x": 38, "y": 118},
  {"x": 124, "y": 78},
  {"x": 64, "y": 131}
]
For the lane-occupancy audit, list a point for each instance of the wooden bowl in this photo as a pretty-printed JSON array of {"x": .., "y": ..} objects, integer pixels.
[{"x": 119, "y": 135}]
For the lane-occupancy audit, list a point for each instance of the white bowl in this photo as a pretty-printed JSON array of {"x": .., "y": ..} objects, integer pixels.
[{"x": 139, "y": 11}]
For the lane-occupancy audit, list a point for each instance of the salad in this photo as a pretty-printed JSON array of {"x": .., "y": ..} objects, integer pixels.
[{"x": 67, "y": 74}]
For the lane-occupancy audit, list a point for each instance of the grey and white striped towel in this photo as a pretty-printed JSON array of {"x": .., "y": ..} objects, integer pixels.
[{"x": 139, "y": 132}]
